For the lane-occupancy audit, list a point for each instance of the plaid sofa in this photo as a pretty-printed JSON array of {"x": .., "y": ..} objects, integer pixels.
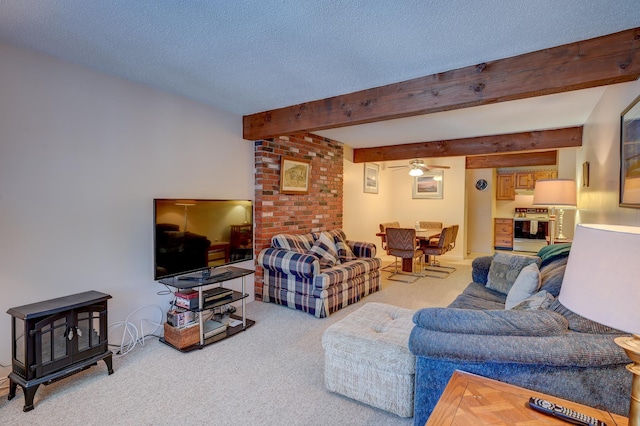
[{"x": 297, "y": 277}]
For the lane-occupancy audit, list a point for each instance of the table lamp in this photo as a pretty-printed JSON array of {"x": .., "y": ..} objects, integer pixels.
[
  {"x": 601, "y": 283},
  {"x": 555, "y": 193}
]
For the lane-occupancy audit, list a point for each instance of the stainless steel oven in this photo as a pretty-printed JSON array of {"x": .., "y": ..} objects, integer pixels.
[{"x": 530, "y": 230}]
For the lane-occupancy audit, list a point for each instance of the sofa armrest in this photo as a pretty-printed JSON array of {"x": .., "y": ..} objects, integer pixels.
[
  {"x": 492, "y": 322},
  {"x": 571, "y": 349},
  {"x": 289, "y": 262},
  {"x": 362, "y": 249},
  {"x": 480, "y": 269}
]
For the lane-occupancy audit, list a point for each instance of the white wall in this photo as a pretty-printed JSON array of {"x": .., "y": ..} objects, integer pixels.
[
  {"x": 363, "y": 212},
  {"x": 480, "y": 204},
  {"x": 82, "y": 155},
  {"x": 601, "y": 148}
]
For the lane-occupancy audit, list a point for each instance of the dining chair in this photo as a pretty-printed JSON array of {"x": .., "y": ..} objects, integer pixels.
[
  {"x": 383, "y": 237},
  {"x": 446, "y": 243},
  {"x": 424, "y": 224},
  {"x": 401, "y": 243},
  {"x": 430, "y": 225}
]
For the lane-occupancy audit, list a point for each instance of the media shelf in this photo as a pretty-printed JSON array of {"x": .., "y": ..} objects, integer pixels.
[{"x": 236, "y": 296}]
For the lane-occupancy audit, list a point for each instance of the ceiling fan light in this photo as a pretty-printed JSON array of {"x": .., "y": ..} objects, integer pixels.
[{"x": 416, "y": 172}]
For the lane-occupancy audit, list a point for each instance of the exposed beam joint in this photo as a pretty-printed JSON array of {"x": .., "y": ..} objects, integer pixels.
[
  {"x": 600, "y": 61},
  {"x": 480, "y": 145}
]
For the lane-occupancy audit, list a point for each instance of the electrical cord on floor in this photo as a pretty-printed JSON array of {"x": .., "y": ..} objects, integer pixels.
[
  {"x": 4, "y": 381},
  {"x": 131, "y": 335}
]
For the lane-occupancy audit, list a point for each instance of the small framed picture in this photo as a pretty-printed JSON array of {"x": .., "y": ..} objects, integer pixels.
[
  {"x": 371, "y": 173},
  {"x": 630, "y": 156},
  {"x": 294, "y": 175},
  {"x": 429, "y": 185},
  {"x": 585, "y": 174}
]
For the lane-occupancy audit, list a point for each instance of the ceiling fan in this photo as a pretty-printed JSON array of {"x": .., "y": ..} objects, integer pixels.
[{"x": 417, "y": 167}]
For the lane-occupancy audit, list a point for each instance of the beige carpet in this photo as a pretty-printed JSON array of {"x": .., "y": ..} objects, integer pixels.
[{"x": 272, "y": 374}]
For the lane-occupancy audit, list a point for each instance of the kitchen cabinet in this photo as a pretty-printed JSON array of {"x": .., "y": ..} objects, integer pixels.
[
  {"x": 508, "y": 183},
  {"x": 524, "y": 180},
  {"x": 505, "y": 186},
  {"x": 543, "y": 174},
  {"x": 503, "y": 234}
]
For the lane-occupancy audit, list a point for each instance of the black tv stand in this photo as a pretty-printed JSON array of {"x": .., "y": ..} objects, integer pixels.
[
  {"x": 219, "y": 272},
  {"x": 240, "y": 323},
  {"x": 191, "y": 278},
  {"x": 205, "y": 274}
]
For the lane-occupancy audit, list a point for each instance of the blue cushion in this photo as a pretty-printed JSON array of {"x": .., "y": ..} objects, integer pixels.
[
  {"x": 505, "y": 268},
  {"x": 491, "y": 322}
]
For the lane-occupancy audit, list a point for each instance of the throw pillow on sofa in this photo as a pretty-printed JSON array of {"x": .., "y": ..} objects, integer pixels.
[
  {"x": 505, "y": 268},
  {"x": 345, "y": 253},
  {"x": 541, "y": 300},
  {"x": 527, "y": 283},
  {"x": 326, "y": 255},
  {"x": 328, "y": 240},
  {"x": 299, "y": 243}
]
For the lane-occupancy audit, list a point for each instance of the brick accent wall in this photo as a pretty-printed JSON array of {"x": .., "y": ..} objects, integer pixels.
[{"x": 277, "y": 213}]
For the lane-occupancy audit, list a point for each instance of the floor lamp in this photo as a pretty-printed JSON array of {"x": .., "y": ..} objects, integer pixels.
[
  {"x": 186, "y": 205},
  {"x": 608, "y": 254},
  {"x": 558, "y": 194}
]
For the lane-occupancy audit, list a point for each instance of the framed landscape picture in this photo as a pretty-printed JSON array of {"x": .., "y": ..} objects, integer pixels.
[
  {"x": 630, "y": 156},
  {"x": 371, "y": 171},
  {"x": 294, "y": 175},
  {"x": 429, "y": 185}
]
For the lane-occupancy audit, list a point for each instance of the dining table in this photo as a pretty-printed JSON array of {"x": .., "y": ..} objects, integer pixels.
[{"x": 423, "y": 236}]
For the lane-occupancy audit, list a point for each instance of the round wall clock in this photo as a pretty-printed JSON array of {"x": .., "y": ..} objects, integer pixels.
[{"x": 481, "y": 184}]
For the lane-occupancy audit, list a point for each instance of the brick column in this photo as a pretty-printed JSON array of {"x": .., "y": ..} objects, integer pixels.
[{"x": 319, "y": 210}]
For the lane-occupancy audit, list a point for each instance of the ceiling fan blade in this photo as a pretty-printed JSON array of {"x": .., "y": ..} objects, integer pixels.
[
  {"x": 434, "y": 167},
  {"x": 397, "y": 167}
]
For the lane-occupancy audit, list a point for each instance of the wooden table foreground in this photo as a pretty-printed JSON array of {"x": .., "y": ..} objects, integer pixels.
[{"x": 473, "y": 400}]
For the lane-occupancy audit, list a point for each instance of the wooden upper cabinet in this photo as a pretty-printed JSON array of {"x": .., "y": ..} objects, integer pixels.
[
  {"x": 544, "y": 174},
  {"x": 505, "y": 188},
  {"x": 524, "y": 180}
]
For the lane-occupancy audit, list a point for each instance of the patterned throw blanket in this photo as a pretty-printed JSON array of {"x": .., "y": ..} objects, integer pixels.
[{"x": 552, "y": 252}]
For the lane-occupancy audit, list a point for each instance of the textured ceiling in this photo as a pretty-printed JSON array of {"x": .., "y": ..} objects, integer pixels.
[{"x": 248, "y": 56}]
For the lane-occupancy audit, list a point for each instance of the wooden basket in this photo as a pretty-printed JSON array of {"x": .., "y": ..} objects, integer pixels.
[{"x": 181, "y": 337}]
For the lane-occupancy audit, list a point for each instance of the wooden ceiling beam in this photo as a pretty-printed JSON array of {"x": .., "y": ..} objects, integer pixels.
[
  {"x": 605, "y": 60},
  {"x": 524, "y": 159},
  {"x": 481, "y": 145}
]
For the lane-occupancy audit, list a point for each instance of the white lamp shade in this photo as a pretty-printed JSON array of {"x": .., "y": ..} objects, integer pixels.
[
  {"x": 416, "y": 172},
  {"x": 555, "y": 193},
  {"x": 602, "y": 278}
]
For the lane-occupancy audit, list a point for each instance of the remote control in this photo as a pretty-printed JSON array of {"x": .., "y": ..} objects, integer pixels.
[{"x": 563, "y": 413}]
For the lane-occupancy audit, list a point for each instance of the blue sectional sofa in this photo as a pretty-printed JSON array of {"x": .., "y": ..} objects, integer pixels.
[
  {"x": 546, "y": 348},
  {"x": 302, "y": 272}
]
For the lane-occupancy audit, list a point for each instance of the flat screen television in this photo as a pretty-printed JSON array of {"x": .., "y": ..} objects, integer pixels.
[{"x": 192, "y": 236}]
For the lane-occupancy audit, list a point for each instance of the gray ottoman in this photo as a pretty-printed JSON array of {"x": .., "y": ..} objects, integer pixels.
[{"x": 367, "y": 357}]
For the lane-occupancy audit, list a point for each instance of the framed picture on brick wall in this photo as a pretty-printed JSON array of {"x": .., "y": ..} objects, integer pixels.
[
  {"x": 294, "y": 175},
  {"x": 371, "y": 174}
]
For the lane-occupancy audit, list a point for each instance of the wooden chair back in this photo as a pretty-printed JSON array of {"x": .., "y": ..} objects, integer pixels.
[
  {"x": 401, "y": 242},
  {"x": 430, "y": 225},
  {"x": 383, "y": 230}
]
